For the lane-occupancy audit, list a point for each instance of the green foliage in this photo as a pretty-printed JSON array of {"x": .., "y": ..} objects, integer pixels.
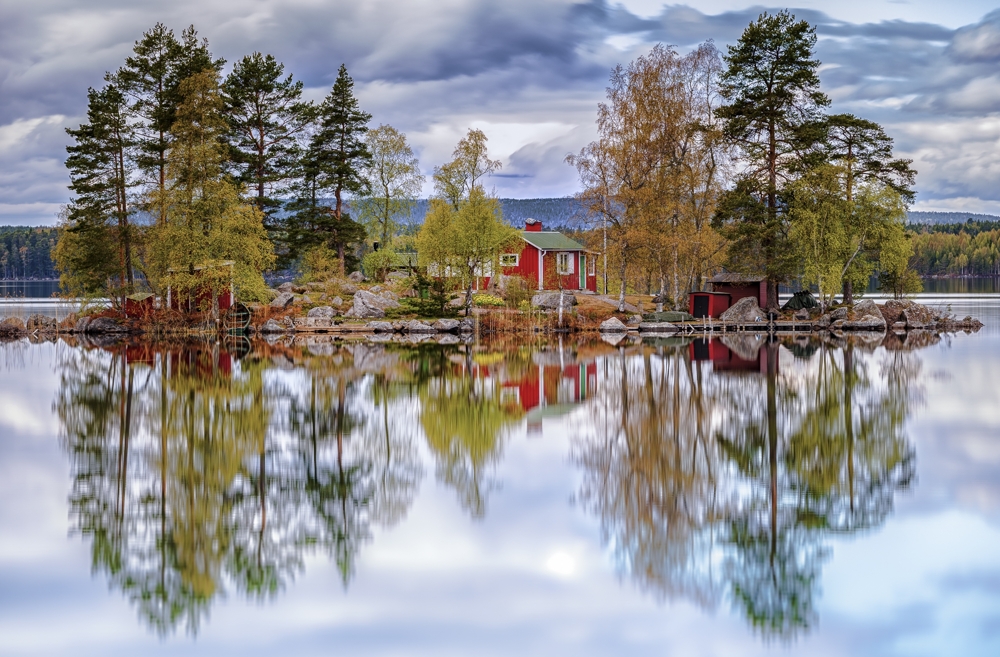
[
  {"x": 266, "y": 116},
  {"x": 392, "y": 183},
  {"x": 377, "y": 264}
]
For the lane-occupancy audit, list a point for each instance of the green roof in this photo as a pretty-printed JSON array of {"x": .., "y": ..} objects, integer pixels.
[{"x": 551, "y": 241}]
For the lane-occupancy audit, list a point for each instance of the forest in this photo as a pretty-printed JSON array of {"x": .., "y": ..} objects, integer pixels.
[{"x": 25, "y": 253}]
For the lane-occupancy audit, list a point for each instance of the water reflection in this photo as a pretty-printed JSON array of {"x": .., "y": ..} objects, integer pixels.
[
  {"x": 718, "y": 469},
  {"x": 718, "y": 475}
]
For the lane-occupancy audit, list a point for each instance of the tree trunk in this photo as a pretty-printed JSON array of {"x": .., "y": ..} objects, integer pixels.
[
  {"x": 621, "y": 289},
  {"x": 772, "y": 295},
  {"x": 848, "y": 293},
  {"x": 340, "y": 243}
]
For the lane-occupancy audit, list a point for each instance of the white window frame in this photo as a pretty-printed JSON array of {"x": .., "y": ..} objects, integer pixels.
[
  {"x": 506, "y": 257},
  {"x": 564, "y": 263},
  {"x": 592, "y": 265}
]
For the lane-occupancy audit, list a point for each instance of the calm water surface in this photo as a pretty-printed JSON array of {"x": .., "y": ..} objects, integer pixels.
[{"x": 672, "y": 497}]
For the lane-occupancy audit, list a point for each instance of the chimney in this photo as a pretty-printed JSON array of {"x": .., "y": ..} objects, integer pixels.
[{"x": 533, "y": 225}]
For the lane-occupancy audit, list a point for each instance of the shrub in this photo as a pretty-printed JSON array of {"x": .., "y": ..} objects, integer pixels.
[
  {"x": 483, "y": 300},
  {"x": 377, "y": 264},
  {"x": 516, "y": 291}
]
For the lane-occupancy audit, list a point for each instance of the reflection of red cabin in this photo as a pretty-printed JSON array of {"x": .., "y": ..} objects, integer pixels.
[
  {"x": 738, "y": 286},
  {"x": 708, "y": 304},
  {"x": 553, "y": 390},
  {"x": 549, "y": 259},
  {"x": 201, "y": 297}
]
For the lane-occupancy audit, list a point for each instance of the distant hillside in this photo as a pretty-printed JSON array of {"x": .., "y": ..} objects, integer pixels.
[
  {"x": 936, "y": 218},
  {"x": 552, "y": 212}
]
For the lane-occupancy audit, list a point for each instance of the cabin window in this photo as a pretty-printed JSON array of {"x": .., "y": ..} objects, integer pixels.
[
  {"x": 592, "y": 266},
  {"x": 510, "y": 259},
  {"x": 564, "y": 263}
]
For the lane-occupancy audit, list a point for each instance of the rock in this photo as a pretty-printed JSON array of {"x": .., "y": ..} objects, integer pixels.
[
  {"x": 838, "y": 313},
  {"x": 552, "y": 300},
  {"x": 613, "y": 339},
  {"x": 283, "y": 300},
  {"x": 743, "y": 311},
  {"x": 105, "y": 325},
  {"x": 304, "y": 300},
  {"x": 271, "y": 326},
  {"x": 314, "y": 323},
  {"x": 446, "y": 325},
  {"x": 634, "y": 320},
  {"x": 42, "y": 323},
  {"x": 892, "y": 310},
  {"x": 337, "y": 301},
  {"x": 867, "y": 308},
  {"x": 316, "y": 287},
  {"x": 81, "y": 325},
  {"x": 356, "y": 277},
  {"x": 389, "y": 294},
  {"x": 801, "y": 315},
  {"x": 370, "y": 306},
  {"x": 613, "y": 325},
  {"x": 467, "y": 325},
  {"x": 381, "y": 327},
  {"x": 416, "y": 326},
  {"x": 287, "y": 286},
  {"x": 348, "y": 288},
  {"x": 448, "y": 339},
  {"x": 375, "y": 289},
  {"x": 399, "y": 275},
  {"x": 867, "y": 323},
  {"x": 917, "y": 316},
  {"x": 745, "y": 345},
  {"x": 13, "y": 323},
  {"x": 658, "y": 327},
  {"x": 321, "y": 311},
  {"x": 457, "y": 302}
]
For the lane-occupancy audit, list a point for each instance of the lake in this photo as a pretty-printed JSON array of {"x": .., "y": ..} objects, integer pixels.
[{"x": 727, "y": 497}]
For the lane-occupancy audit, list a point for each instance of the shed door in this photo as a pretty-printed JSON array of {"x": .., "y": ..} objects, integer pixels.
[
  {"x": 583, "y": 272},
  {"x": 701, "y": 306}
]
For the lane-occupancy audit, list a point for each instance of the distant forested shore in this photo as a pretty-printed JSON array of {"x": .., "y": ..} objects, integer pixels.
[{"x": 945, "y": 243}]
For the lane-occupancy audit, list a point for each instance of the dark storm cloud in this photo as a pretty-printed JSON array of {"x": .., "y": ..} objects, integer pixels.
[{"x": 423, "y": 65}]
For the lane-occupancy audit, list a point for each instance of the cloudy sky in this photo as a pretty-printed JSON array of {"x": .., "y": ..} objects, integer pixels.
[{"x": 528, "y": 72}]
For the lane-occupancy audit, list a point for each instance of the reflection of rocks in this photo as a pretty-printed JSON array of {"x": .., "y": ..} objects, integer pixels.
[{"x": 745, "y": 345}]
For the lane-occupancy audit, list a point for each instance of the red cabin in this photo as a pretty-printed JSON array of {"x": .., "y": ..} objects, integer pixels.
[
  {"x": 708, "y": 304},
  {"x": 549, "y": 260},
  {"x": 201, "y": 297}
]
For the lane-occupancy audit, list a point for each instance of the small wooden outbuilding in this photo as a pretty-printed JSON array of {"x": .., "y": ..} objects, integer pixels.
[
  {"x": 740, "y": 286},
  {"x": 708, "y": 304}
]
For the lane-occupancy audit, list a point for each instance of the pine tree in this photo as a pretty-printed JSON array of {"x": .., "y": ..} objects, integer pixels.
[
  {"x": 151, "y": 79},
  {"x": 772, "y": 115},
  {"x": 266, "y": 116},
  {"x": 96, "y": 236},
  {"x": 340, "y": 153}
]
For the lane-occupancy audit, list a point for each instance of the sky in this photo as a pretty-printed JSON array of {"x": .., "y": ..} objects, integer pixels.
[{"x": 529, "y": 73}]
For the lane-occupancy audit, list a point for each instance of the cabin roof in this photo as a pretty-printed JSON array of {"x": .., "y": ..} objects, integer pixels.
[
  {"x": 728, "y": 277},
  {"x": 550, "y": 240}
]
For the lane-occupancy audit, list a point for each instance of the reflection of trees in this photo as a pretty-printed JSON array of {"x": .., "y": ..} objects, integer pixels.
[
  {"x": 187, "y": 475},
  {"x": 687, "y": 469},
  {"x": 466, "y": 421}
]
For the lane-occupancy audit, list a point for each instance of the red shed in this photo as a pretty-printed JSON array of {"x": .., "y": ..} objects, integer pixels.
[
  {"x": 739, "y": 286},
  {"x": 708, "y": 304}
]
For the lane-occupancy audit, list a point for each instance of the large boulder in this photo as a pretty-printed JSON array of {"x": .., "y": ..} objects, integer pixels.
[
  {"x": 81, "y": 324},
  {"x": 105, "y": 325},
  {"x": 892, "y": 310},
  {"x": 381, "y": 327},
  {"x": 917, "y": 316},
  {"x": 416, "y": 326},
  {"x": 321, "y": 311},
  {"x": 613, "y": 325},
  {"x": 42, "y": 324},
  {"x": 867, "y": 308},
  {"x": 283, "y": 300},
  {"x": 552, "y": 300},
  {"x": 356, "y": 277},
  {"x": 743, "y": 311},
  {"x": 287, "y": 286},
  {"x": 348, "y": 288},
  {"x": 13, "y": 324},
  {"x": 838, "y": 313},
  {"x": 370, "y": 306},
  {"x": 446, "y": 325},
  {"x": 337, "y": 301}
]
